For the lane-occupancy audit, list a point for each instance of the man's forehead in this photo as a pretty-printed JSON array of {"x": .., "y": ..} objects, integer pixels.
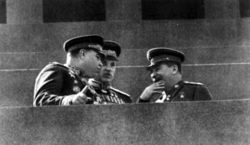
[
  {"x": 154, "y": 67},
  {"x": 90, "y": 51},
  {"x": 94, "y": 53},
  {"x": 109, "y": 61},
  {"x": 159, "y": 65}
]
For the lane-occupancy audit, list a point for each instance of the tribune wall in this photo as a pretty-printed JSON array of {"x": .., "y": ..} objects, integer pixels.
[{"x": 206, "y": 123}]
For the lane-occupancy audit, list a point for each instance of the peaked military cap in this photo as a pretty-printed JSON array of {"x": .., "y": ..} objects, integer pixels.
[
  {"x": 111, "y": 49},
  {"x": 161, "y": 54},
  {"x": 94, "y": 42}
]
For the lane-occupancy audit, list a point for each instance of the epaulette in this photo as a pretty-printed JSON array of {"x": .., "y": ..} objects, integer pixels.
[
  {"x": 53, "y": 65},
  {"x": 57, "y": 64},
  {"x": 120, "y": 92},
  {"x": 193, "y": 83}
]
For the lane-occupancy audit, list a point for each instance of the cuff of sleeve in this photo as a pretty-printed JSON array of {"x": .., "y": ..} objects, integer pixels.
[
  {"x": 66, "y": 101},
  {"x": 143, "y": 101}
]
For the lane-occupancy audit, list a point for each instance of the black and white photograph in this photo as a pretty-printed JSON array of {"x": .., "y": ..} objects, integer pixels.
[{"x": 124, "y": 72}]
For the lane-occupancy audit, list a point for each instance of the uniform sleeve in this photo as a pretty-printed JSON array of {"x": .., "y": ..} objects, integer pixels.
[
  {"x": 153, "y": 98},
  {"x": 48, "y": 87},
  {"x": 128, "y": 100},
  {"x": 202, "y": 93},
  {"x": 142, "y": 101}
]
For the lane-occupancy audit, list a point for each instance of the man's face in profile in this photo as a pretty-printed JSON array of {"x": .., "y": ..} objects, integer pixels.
[
  {"x": 90, "y": 62},
  {"x": 161, "y": 72}
]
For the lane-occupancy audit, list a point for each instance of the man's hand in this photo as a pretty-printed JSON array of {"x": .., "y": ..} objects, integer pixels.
[
  {"x": 79, "y": 98},
  {"x": 151, "y": 90}
]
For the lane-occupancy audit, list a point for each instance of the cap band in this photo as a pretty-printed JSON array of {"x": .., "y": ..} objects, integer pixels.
[
  {"x": 160, "y": 58},
  {"x": 96, "y": 47},
  {"x": 110, "y": 54}
]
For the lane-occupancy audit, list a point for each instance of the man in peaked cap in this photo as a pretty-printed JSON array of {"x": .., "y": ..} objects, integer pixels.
[
  {"x": 168, "y": 86},
  {"x": 106, "y": 93},
  {"x": 66, "y": 84}
]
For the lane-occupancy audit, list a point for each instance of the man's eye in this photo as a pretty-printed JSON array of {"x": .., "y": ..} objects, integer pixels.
[
  {"x": 98, "y": 57},
  {"x": 157, "y": 67},
  {"x": 113, "y": 64},
  {"x": 104, "y": 63}
]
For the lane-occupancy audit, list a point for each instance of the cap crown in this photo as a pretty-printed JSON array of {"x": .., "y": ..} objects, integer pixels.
[
  {"x": 111, "y": 49},
  {"x": 86, "y": 41},
  {"x": 160, "y": 54}
]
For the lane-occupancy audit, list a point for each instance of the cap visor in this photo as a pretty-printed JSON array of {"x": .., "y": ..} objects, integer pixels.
[
  {"x": 150, "y": 67},
  {"x": 111, "y": 58},
  {"x": 101, "y": 54}
]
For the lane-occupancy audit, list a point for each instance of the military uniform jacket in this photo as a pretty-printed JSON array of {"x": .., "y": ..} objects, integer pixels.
[
  {"x": 54, "y": 82},
  {"x": 182, "y": 91},
  {"x": 111, "y": 95}
]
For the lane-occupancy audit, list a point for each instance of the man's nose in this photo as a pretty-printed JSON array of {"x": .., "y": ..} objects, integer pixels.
[
  {"x": 108, "y": 67},
  {"x": 100, "y": 64},
  {"x": 153, "y": 74}
]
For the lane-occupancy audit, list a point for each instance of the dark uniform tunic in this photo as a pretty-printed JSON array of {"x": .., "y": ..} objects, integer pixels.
[
  {"x": 56, "y": 81},
  {"x": 182, "y": 91},
  {"x": 111, "y": 95}
]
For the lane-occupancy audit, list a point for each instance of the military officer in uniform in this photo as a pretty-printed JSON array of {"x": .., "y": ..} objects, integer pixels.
[
  {"x": 106, "y": 93},
  {"x": 66, "y": 84},
  {"x": 168, "y": 86}
]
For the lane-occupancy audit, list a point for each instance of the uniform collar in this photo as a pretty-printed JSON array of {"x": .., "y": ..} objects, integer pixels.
[
  {"x": 175, "y": 87},
  {"x": 104, "y": 89},
  {"x": 78, "y": 72},
  {"x": 106, "y": 85},
  {"x": 179, "y": 84}
]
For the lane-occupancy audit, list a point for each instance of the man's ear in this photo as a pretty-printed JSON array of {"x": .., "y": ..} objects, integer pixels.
[
  {"x": 175, "y": 69},
  {"x": 82, "y": 52}
]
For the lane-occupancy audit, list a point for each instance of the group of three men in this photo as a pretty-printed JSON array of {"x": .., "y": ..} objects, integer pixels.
[{"x": 90, "y": 67}]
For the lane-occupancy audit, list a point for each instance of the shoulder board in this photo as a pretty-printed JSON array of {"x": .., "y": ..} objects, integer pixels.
[
  {"x": 56, "y": 64},
  {"x": 119, "y": 91},
  {"x": 193, "y": 83}
]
